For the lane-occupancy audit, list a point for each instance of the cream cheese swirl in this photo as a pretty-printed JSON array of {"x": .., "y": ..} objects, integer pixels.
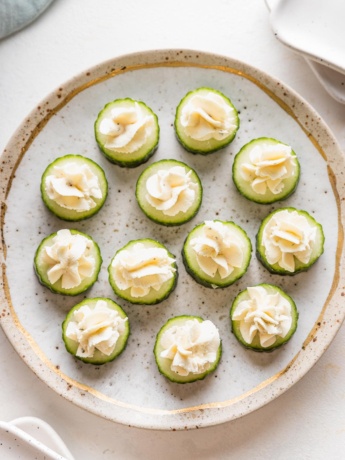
[
  {"x": 269, "y": 166},
  {"x": 207, "y": 116},
  {"x": 192, "y": 347},
  {"x": 73, "y": 186},
  {"x": 97, "y": 328},
  {"x": 218, "y": 249},
  {"x": 127, "y": 128},
  {"x": 266, "y": 315},
  {"x": 171, "y": 190},
  {"x": 142, "y": 268},
  {"x": 288, "y": 236},
  {"x": 69, "y": 259}
]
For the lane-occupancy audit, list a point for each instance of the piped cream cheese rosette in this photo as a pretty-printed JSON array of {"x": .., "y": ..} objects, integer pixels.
[
  {"x": 205, "y": 121},
  {"x": 143, "y": 272},
  {"x": 127, "y": 132},
  {"x": 289, "y": 241},
  {"x": 187, "y": 349},
  {"x": 263, "y": 317},
  {"x": 74, "y": 187},
  {"x": 68, "y": 262},
  {"x": 96, "y": 330},
  {"x": 217, "y": 253},
  {"x": 265, "y": 170},
  {"x": 169, "y": 192}
]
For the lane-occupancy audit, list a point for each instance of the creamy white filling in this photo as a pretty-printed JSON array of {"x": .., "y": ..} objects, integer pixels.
[
  {"x": 218, "y": 249},
  {"x": 73, "y": 186},
  {"x": 207, "y": 116},
  {"x": 192, "y": 347},
  {"x": 266, "y": 315},
  {"x": 69, "y": 259},
  {"x": 142, "y": 268},
  {"x": 97, "y": 328},
  {"x": 288, "y": 236},
  {"x": 269, "y": 166},
  {"x": 127, "y": 128},
  {"x": 171, "y": 190}
]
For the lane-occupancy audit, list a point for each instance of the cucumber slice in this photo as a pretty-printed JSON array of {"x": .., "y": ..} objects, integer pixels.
[
  {"x": 143, "y": 150},
  {"x": 185, "y": 189},
  {"x": 164, "y": 364},
  {"x": 227, "y": 122},
  {"x": 236, "y": 235},
  {"x": 309, "y": 238},
  {"x": 157, "y": 292},
  {"x": 42, "y": 264},
  {"x": 96, "y": 202},
  {"x": 278, "y": 303},
  {"x": 98, "y": 357},
  {"x": 263, "y": 172}
]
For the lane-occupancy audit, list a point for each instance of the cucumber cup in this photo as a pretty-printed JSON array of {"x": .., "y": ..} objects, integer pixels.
[
  {"x": 96, "y": 330},
  {"x": 74, "y": 187},
  {"x": 143, "y": 272},
  {"x": 169, "y": 192},
  {"x": 265, "y": 170},
  {"x": 263, "y": 317},
  {"x": 127, "y": 132},
  {"x": 205, "y": 121},
  {"x": 289, "y": 241},
  {"x": 217, "y": 253},
  {"x": 187, "y": 349},
  {"x": 68, "y": 262}
]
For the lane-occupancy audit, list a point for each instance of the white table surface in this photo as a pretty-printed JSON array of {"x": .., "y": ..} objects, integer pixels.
[{"x": 308, "y": 421}]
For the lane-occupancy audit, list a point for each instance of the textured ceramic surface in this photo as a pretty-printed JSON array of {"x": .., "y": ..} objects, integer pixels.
[{"x": 130, "y": 390}]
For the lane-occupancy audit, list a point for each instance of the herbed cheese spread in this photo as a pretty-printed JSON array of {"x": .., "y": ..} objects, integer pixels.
[
  {"x": 171, "y": 190},
  {"x": 97, "y": 328},
  {"x": 207, "y": 116},
  {"x": 288, "y": 236},
  {"x": 141, "y": 268},
  {"x": 73, "y": 186},
  {"x": 192, "y": 346},
  {"x": 263, "y": 314},
  {"x": 219, "y": 249},
  {"x": 127, "y": 128},
  {"x": 269, "y": 166},
  {"x": 69, "y": 258}
]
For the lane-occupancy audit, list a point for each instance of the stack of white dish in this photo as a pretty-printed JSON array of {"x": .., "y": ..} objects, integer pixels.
[{"x": 315, "y": 29}]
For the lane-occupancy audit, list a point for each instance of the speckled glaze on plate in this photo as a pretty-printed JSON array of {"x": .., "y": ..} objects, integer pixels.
[{"x": 130, "y": 390}]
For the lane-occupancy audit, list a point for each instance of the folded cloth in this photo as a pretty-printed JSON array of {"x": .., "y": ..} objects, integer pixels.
[{"x": 16, "y": 14}]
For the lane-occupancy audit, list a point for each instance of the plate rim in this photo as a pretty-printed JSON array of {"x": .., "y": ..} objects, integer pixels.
[{"x": 268, "y": 390}]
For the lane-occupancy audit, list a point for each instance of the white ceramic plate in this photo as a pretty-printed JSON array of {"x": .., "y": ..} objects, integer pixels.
[
  {"x": 303, "y": 26},
  {"x": 130, "y": 390}
]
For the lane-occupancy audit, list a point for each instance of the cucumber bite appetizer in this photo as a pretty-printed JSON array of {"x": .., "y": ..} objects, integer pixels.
[
  {"x": 205, "y": 121},
  {"x": 74, "y": 187},
  {"x": 143, "y": 272},
  {"x": 263, "y": 317},
  {"x": 266, "y": 170},
  {"x": 217, "y": 253},
  {"x": 187, "y": 349},
  {"x": 289, "y": 241},
  {"x": 96, "y": 330},
  {"x": 127, "y": 132},
  {"x": 169, "y": 192},
  {"x": 68, "y": 262}
]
